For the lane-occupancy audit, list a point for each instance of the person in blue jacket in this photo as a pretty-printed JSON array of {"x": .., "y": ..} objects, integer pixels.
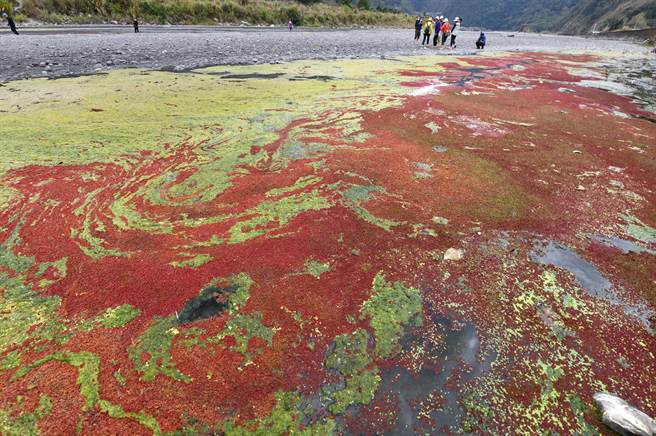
[
  {"x": 482, "y": 40},
  {"x": 438, "y": 28}
]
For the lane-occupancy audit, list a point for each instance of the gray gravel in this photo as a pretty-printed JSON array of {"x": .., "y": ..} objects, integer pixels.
[{"x": 61, "y": 51}]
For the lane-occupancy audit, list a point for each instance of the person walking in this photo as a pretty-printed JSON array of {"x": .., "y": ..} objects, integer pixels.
[
  {"x": 482, "y": 40},
  {"x": 428, "y": 29},
  {"x": 135, "y": 24},
  {"x": 446, "y": 30},
  {"x": 290, "y": 25},
  {"x": 438, "y": 29},
  {"x": 418, "y": 26},
  {"x": 10, "y": 22}
]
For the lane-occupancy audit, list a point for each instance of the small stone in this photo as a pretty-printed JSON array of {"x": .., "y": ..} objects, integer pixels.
[
  {"x": 580, "y": 188},
  {"x": 440, "y": 220},
  {"x": 454, "y": 254},
  {"x": 577, "y": 152}
]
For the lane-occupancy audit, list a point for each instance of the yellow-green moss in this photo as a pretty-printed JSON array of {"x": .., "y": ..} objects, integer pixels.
[
  {"x": 390, "y": 309},
  {"x": 284, "y": 419}
]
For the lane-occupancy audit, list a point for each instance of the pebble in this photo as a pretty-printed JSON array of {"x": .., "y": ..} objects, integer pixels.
[{"x": 454, "y": 254}]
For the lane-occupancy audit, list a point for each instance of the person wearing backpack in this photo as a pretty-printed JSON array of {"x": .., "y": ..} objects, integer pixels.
[
  {"x": 438, "y": 28},
  {"x": 418, "y": 26},
  {"x": 446, "y": 30},
  {"x": 428, "y": 29}
]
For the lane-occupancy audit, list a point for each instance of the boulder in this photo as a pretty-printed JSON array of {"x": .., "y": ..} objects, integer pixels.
[{"x": 619, "y": 416}]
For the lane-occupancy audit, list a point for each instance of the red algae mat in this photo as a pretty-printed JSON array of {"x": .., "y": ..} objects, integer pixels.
[{"x": 419, "y": 245}]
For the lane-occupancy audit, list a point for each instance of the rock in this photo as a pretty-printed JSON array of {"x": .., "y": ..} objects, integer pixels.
[
  {"x": 622, "y": 418},
  {"x": 440, "y": 220},
  {"x": 580, "y": 188},
  {"x": 454, "y": 254}
]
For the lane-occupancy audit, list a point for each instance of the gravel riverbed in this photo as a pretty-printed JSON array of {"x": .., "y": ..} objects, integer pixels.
[{"x": 63, "y": 51}]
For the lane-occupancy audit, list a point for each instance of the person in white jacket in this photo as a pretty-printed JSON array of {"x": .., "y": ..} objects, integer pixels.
[{"x": 455, "y": 30}]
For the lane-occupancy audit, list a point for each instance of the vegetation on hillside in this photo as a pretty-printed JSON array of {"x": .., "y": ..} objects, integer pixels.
[
  {"x": 592, "y": 15},
  {"x": 563, "y": 16},
  {"x": 306, "y": 12}
]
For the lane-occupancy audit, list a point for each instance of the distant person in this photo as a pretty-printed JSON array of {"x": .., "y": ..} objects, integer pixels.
[
  {"x": 454, "y": 32},
  {"x": 438, "y": 28},
  {"x": 428, "y": 29},
  {"x": 446, "y": 30},
  {"x": 135, "y": 24},
  {"x": 418, "y": 25},
  {"x": 10, "y": 22},
  {"x": 482, "y": 40},
  {"x": 290, "y": 25}
]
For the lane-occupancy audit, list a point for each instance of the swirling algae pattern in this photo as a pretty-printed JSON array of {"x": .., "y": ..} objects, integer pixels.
[{"x": 261, "y": 249}]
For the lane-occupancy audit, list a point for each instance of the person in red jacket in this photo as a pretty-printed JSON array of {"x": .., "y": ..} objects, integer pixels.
[{"x": 446, "y": 30}]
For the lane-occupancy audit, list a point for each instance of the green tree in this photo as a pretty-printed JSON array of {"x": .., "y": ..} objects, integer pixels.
[{"x": 363, "y": 4}]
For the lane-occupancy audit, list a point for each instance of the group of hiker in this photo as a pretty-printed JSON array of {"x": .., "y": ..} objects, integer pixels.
[{"x": 441, "y": 29}]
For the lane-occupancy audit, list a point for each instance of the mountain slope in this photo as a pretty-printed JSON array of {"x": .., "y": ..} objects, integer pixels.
[
  {"x": 568, "y": 16},
  {"x": 610, "y": 15}
]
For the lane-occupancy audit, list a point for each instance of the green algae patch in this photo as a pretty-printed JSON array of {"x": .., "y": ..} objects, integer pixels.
[
  {"x": 360, "y": 389},
  {"x": 58, "y": 266},
  {"x": 116, "y": 411},
  {"x": 147, "y": 110},
  {"x": 156, "y": 343},
  {"x": 88, "y": 365},
  {"x": 316, "y": 268},
  {"x": 350, "y": 354},
  {"x": 270, "y": 216},
  {"x": 10, "y": 361},
  {"x": 639, "y": 230},
  {"x": 24, "y": 315},
  {"x": 351, "y": 358},
  {"x": 25, "y": 424},
  {"x": 191, "y": 260},
  {"x": 355, "y": 195},
  {"x": 243, "y": 328},
  {"x": 119, "y": 316},
  {"x": 390, "y": 309},
  {"x": 284, "y": 419},
  {"x": 241, "y": 294},
  {"x": 11, "y": 260},
  {"x": 301, "y": 183},
  {"x": 93, "y": 246}
]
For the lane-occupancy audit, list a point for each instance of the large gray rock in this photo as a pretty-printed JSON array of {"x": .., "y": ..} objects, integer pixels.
[{"x": 622, "y": 418}]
